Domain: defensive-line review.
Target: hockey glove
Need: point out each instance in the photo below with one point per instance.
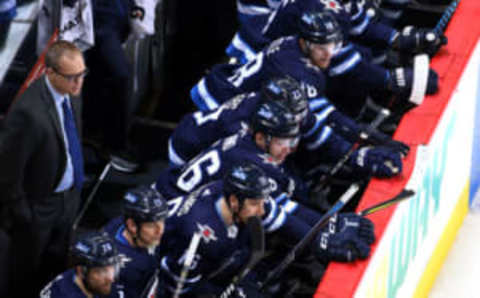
(418, 40)
(401, 81)
(378, 138)
(378, 161)
(346, 238)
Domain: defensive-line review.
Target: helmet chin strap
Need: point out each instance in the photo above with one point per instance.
(236, 218)
(306, 49)
(268, 142)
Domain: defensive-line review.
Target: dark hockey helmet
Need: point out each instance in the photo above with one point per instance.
(95, 250)
(320, 27)
(144, 204)
(275, 119)
(288, 90)
(246, 180)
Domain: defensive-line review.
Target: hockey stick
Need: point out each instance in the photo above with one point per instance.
(381, 116)
(257, 240)
(446, 17)
(344, 199)
(403, 195)
(150, 289)
(79, 217)
(190, 254)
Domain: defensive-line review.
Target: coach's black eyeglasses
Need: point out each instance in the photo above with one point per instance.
(72, 77)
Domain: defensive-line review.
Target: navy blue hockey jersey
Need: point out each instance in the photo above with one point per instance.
(283, 57)
(213, 163)
(64, 286)
(222, 249)
(138, 264)
(253, 36)
(198, 130)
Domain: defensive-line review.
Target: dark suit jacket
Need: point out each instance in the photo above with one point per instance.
(32, 150)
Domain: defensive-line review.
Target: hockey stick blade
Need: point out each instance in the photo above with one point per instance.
(421, 69)
(344, 199)
(403, 195)
(257, 242)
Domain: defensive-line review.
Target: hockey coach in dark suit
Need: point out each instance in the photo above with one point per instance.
(41, 169)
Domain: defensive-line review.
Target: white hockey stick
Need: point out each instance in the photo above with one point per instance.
(190, 254)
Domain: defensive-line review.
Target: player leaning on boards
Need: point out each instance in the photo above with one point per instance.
(197, 131)
(363, 38)
(272, 137)
(305, 57)
(137, 235)
(97, 264)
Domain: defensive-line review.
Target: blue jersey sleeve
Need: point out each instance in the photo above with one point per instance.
(198, 130)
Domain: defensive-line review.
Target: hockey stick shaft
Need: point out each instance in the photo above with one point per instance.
(90, 197)
(190, 254)
(151, 286)
(381, 116)
(403, 195)
(344, 199)
(446, 17)
(257, 240)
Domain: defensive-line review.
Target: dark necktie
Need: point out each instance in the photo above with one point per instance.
(74, 147)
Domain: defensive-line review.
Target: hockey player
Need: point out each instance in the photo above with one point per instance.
(97, 263)
(356, 26)
(199, 130)
(217, 212)
(137, 235)
(303, 58)
(273, 135)
(267, 149)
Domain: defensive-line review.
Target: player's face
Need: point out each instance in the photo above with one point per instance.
(100, 279)
(321, 54)
(151, 233)
(251, 207)
(67, 77)
(280, 148)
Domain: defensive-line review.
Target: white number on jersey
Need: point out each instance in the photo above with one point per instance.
(191, 178)
(246, 70)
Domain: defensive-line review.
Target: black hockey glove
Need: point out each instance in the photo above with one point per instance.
(378, 161)
(418, 40)
(401, 81)
(347, 237)
(378, 138)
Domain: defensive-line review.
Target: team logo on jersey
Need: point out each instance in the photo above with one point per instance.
(268, 159)
(232, 231)
(331, 5)
(123, 260)
(207, 233)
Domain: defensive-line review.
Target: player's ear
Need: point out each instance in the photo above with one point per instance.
(259, 138)
(131, 225)
(233, 202)
(79, 271)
